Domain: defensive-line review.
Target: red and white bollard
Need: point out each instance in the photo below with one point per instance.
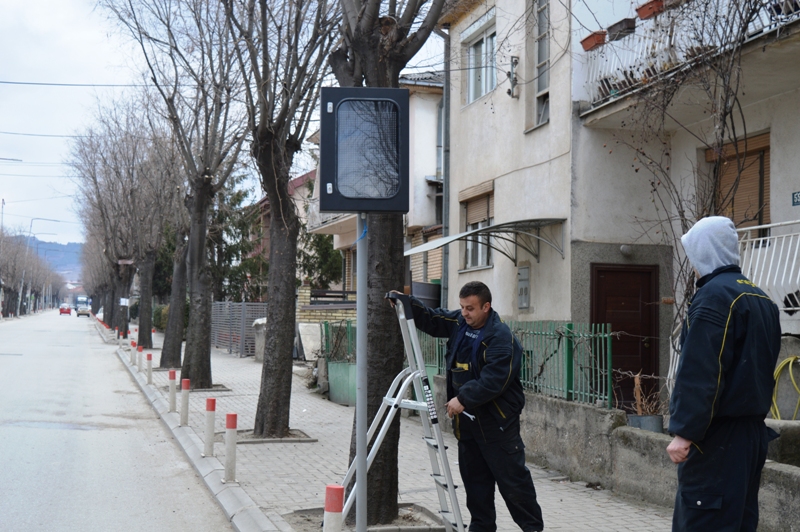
(154, 330)
(334, 502)
(133, 356)
(185, 386)
(172, 390)
(211, 411)
(136, 330)
(139, 358)
(149, 368)
(230, 448)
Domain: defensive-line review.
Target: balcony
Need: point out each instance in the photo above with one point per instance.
(770, 257)
(680, 38)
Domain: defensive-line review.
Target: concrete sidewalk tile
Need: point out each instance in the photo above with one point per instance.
(253, 520)
(233, 500)
(214, 481)
(275, 479)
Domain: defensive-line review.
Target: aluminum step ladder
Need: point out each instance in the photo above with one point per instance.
(414, 375)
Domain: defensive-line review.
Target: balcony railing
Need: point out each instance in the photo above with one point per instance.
(773, 262)
(672, 40)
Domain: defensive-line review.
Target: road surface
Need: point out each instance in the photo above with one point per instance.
(80, 449)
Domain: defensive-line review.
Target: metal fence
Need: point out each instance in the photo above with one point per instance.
(232, 326)
(570, 361)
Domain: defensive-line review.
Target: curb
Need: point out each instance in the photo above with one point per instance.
(243, 513)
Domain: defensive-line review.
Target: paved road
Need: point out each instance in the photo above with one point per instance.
(80, 448)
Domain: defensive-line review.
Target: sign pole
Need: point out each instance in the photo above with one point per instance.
(361, 375)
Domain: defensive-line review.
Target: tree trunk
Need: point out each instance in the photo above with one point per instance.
(147, 267)
(197, 357)
(385, 355)
(173, 336)
(272, 413)
(122, 283)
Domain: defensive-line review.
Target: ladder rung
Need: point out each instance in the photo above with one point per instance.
(433, 443)
(446, 514)
(440, 480)
(409, 405)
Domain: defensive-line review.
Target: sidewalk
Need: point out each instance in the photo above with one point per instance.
(281, 478)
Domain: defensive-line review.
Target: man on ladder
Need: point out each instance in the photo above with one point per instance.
(485, 399)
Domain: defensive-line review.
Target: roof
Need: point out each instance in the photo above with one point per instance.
(294, 184)
(423, 79)
(455, 9)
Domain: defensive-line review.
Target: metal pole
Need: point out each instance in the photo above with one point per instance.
(361, 376)
(243, 329)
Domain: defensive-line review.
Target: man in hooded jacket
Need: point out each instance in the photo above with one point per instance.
(723, 388)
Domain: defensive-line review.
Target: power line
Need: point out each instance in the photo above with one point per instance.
(37, 175)
(45, 84)
(29, 217)
(42, 135)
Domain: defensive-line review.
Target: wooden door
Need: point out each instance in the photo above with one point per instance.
(626, 297)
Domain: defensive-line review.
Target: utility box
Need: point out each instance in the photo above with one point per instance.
(364, 150)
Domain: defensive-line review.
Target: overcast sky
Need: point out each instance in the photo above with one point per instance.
(62, 42)
(51, 41)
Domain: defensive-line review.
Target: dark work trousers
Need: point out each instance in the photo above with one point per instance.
(718, 483)
(502, 462)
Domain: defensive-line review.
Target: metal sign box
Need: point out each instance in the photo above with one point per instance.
(364, 150)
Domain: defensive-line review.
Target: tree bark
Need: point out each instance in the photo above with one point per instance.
(197, 356)
(272, 413)
(173, 336)
(122, 281)
(385, 357)
(147, 267)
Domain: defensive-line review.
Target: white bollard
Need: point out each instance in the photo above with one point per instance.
(211, 407)
(185, 385)
(149, 368)
(230, 448)
(334, 502)
(133, 356)
(139, 359)
(172, 390)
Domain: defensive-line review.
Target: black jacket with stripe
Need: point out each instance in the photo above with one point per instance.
(493, 391)
(729, 347)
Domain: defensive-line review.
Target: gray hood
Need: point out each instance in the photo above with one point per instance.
(712, 243)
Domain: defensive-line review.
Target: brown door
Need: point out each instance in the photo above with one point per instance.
(625, 297)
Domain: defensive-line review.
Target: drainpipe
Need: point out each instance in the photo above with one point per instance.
(445, 163)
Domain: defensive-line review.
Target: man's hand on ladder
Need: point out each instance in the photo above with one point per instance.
(391, 301)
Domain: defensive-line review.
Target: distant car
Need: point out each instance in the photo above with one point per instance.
(64, 309)
(83, 310)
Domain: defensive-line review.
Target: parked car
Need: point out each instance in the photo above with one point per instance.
(64, 308)
(83, 310)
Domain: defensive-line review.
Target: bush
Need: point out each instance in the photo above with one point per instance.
(159, 318)
(164, 316)
(134, 310)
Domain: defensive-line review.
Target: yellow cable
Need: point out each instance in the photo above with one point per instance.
(776, 414)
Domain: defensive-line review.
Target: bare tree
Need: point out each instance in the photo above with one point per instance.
(282, 54)
(378, 40)
(191, 60)
(703, 60)
(128, 169)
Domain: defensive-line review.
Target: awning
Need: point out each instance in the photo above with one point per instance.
(506, 237)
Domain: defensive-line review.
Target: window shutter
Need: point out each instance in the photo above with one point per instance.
(744, 203)
(480, 209)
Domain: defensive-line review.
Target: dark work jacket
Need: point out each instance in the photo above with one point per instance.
(492, 392)
(729, 346)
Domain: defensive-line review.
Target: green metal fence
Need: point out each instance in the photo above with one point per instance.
(570, 361)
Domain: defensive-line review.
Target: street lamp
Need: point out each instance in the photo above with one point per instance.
(27, 248)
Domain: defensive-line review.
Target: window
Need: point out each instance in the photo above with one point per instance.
(479, 214)
(538, 64)
(480, 41)
(743, 182)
